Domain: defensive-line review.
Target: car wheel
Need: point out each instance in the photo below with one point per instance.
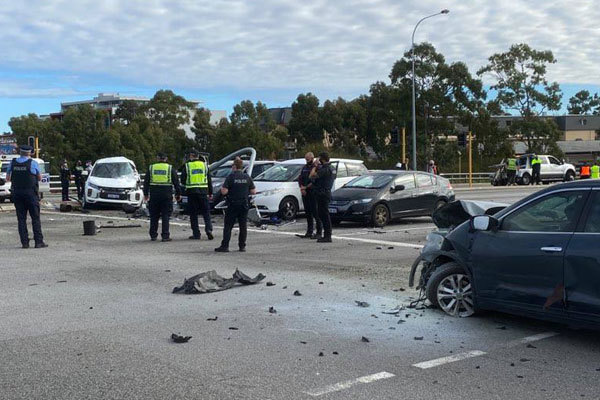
(569, 176)
(380, 216)
(450, 289)
(526, 179)
(288, 209)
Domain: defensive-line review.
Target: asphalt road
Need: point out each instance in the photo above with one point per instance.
(91, 318)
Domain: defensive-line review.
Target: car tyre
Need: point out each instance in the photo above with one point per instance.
(380, 216)
(449, 288)
(526, 179)
(569, 176)
(288, 208)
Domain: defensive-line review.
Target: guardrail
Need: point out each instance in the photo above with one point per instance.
(478, 177)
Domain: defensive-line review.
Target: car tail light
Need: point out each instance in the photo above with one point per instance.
(450, 185)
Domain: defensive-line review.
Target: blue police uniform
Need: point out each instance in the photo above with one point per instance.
(23, 172)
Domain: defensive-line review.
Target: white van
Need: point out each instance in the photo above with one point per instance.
(44, 185)
(278, 192)
(113, 180)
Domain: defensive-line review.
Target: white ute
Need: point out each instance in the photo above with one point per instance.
(113, 180)
(551, 169)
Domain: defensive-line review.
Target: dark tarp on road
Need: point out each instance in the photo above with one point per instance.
(210, 281)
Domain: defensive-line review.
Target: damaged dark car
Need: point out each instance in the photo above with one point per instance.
(537, 258)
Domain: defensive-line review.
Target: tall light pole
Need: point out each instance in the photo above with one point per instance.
(414, 113)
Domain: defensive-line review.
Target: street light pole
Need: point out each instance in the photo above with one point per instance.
(414, 113)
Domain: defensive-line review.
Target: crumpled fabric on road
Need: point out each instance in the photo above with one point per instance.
(208, 282)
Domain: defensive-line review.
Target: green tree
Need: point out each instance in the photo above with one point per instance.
(127, 111)
(521, 86)
(583, 102)
(304, 126)
(204, 131)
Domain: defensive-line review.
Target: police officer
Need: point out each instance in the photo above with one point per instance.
(158, 192)
(65, 180)
(511, 170)
(25, 174)
(309, 199)
(323, 176)
(237, 187)
(198, 189)
(536, 165)
(78, 178)
(595, 170)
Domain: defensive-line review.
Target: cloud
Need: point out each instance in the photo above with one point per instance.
(27, 89)
(319, 45)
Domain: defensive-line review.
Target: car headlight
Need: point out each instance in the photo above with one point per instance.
(271, 192)
(361, 201)
(91, 185)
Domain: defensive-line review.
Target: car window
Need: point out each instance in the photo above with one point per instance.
(554, 161)
(544, 160)
(341, 170)
(556, 212)
(424, 180)
(408, 180)
(356, 169)
(334, 166)
(522, 161)
(593, 219)
(113, 170)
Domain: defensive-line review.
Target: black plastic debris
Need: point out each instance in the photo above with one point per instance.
(320, 283)
(390, 247)
(210, 281)
(321, 354)
(335, 353)
(363, 304)
(303, 342)
(180, 339)
(272, 310)
(524, 359)
(530, 346)
(212, 319)
(365, 339)
(418, 337)
(233, 328)
(379, 248)
(270, 284)
(297, 293)
(401, 321)
(502, 328)
(520, 376)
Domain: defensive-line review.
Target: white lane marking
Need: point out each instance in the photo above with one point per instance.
(449, 359)
(476, 353)
(285, 233)
(347, 384)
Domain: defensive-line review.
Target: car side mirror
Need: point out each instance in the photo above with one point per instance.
(397, 188)
(484, 223)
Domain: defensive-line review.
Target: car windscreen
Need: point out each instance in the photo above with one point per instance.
(112, 170)
(375, 181)
(281, 173)
(221, 172)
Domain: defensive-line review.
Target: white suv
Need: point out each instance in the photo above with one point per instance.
(278, 192)
(551, 169)
(113, 180)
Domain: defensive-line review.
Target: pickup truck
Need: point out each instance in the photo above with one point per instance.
(552, 169)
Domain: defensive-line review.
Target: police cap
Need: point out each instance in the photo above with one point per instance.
(25, 149)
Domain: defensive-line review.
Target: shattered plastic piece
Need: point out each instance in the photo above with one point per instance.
(297, 293)
(379, 248)
(233, 328)
(61, 281)
(418, 337)
(303, 342)
(270, 284)
(530, 346)
(391, 248)
(335, 353)
(394, 311)
(321, 354)
(401, 321)
(272, 310)
(212, 319)
(363, 304)
(320, 283)
(502, 328)
(365, 339)
(180, 339)
(524, 359)
(520, 376)
(285, 287)
(210, 281)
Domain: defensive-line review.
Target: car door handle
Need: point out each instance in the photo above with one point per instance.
(551, 249)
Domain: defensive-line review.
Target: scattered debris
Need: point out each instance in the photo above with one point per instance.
(285, 287)
(394, 311)
(210, 281)
(180, 339)
(530, 346)
(91, 308)
(321, 354)
(391, 248)
(320, 283)
(233, 328)
(272, 310)
(401, 321)
(374, 316)
(167, 270)
(297, 293)
(212, 319)
(61, 281)
(303, 342)
(270, 284)
(524, 359)
(335, 353)
(418, 337)
(520, 376)
(502, 328)
(379, 248)
(365, 339)
(33, 284)
(363, 304)
(512, 364)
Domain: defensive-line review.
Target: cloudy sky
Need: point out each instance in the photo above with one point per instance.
(225, 51)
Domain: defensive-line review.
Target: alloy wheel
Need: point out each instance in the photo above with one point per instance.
(455, 295)
(381, 215)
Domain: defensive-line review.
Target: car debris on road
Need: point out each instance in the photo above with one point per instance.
(208, 282)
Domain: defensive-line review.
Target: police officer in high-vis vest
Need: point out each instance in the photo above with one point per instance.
(198, 189)
(595, 171)
(158, 192)
(511, 170)
(536, 165)
(24, 175)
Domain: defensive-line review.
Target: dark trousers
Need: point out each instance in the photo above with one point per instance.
(198, 204)
(160, 207)
(65, 190)
(511, 174)
(239, 213)
(323, 212)
(80, 184)
(28, 202)
(535, 177)
(310, 209)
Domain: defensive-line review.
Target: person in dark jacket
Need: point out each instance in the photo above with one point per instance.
(323, 176)
(25, 175)
(238, 186)
(65, 180)
(309, 199)
(78, 178)
(159, 182)
(195, 177)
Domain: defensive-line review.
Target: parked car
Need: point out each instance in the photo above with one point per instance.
(113, 181)
(537, 257)
(551, 169)
(278, 192)
(44, 184)
(380, 197)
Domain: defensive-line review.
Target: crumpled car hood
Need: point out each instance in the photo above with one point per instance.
(457, 212)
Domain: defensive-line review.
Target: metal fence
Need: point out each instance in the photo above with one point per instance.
(478, 177)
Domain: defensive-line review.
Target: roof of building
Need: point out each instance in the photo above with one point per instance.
(578, 122)
(579, 146)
